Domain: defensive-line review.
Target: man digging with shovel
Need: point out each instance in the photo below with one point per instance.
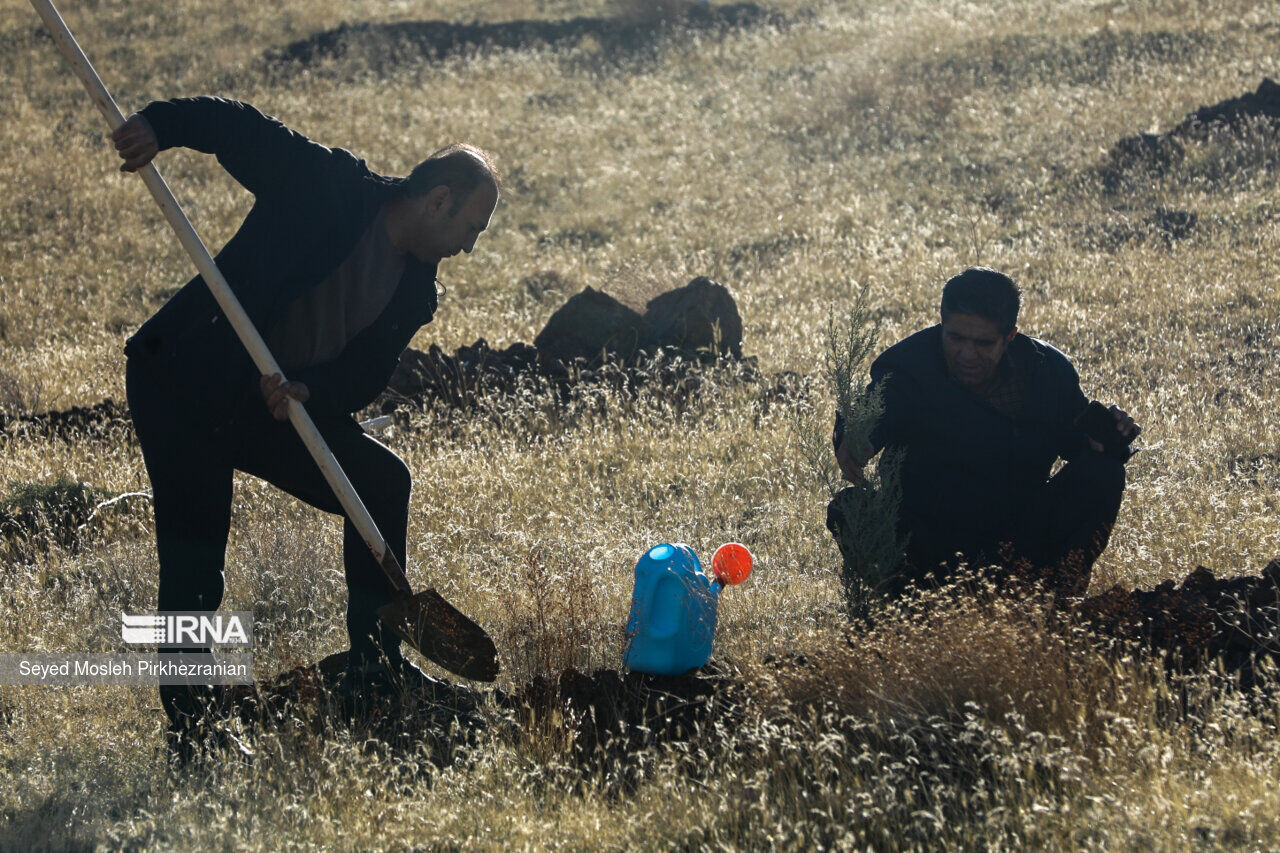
(335, 265)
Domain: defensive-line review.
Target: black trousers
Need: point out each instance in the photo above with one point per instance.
(1061, 530)
(190, 465)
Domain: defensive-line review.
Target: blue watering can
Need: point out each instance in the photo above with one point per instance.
(672, 625)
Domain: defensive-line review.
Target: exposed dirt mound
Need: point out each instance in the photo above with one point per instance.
(1201, 620)
(1232, 120)
(1262, 103)
(612, 713)
(614, 716)
(385, 46)
(605, 715)
(442, 720)
(476, 374)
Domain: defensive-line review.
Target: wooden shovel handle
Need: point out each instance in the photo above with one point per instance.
(244, 328)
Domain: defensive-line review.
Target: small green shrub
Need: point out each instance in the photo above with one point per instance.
(865, 514)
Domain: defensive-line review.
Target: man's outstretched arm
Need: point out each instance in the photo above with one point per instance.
(260, 152)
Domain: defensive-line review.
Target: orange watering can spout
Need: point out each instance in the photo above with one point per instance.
(731, 563)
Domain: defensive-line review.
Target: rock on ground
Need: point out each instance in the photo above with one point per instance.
(592, 326)
(702, 315)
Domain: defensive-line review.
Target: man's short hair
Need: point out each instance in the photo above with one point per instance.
(986, 293)
(460, 167)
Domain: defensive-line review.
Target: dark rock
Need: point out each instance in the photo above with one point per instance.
(591, 345)
(702, 315)
(589, 326)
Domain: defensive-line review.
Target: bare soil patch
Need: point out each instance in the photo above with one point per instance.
(617, 718)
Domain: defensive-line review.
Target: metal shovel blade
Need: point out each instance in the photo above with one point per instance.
(436, 628)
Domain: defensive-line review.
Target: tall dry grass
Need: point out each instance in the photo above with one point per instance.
(875, 144)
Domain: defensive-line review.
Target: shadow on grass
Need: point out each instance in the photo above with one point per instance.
(383, 46)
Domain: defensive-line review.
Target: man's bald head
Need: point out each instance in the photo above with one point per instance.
(460, 167)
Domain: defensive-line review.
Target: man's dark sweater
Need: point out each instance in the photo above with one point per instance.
(970, 470)
(311, 206)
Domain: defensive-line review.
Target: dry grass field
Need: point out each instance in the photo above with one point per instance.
(883, 144)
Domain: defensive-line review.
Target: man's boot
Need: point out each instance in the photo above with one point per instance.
(193, 710)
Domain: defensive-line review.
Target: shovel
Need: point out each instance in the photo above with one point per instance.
(425, 620)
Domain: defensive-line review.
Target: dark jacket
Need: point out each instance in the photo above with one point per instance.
(966, 467)
(311, 205)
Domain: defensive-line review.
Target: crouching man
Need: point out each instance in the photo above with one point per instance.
(980, 413)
